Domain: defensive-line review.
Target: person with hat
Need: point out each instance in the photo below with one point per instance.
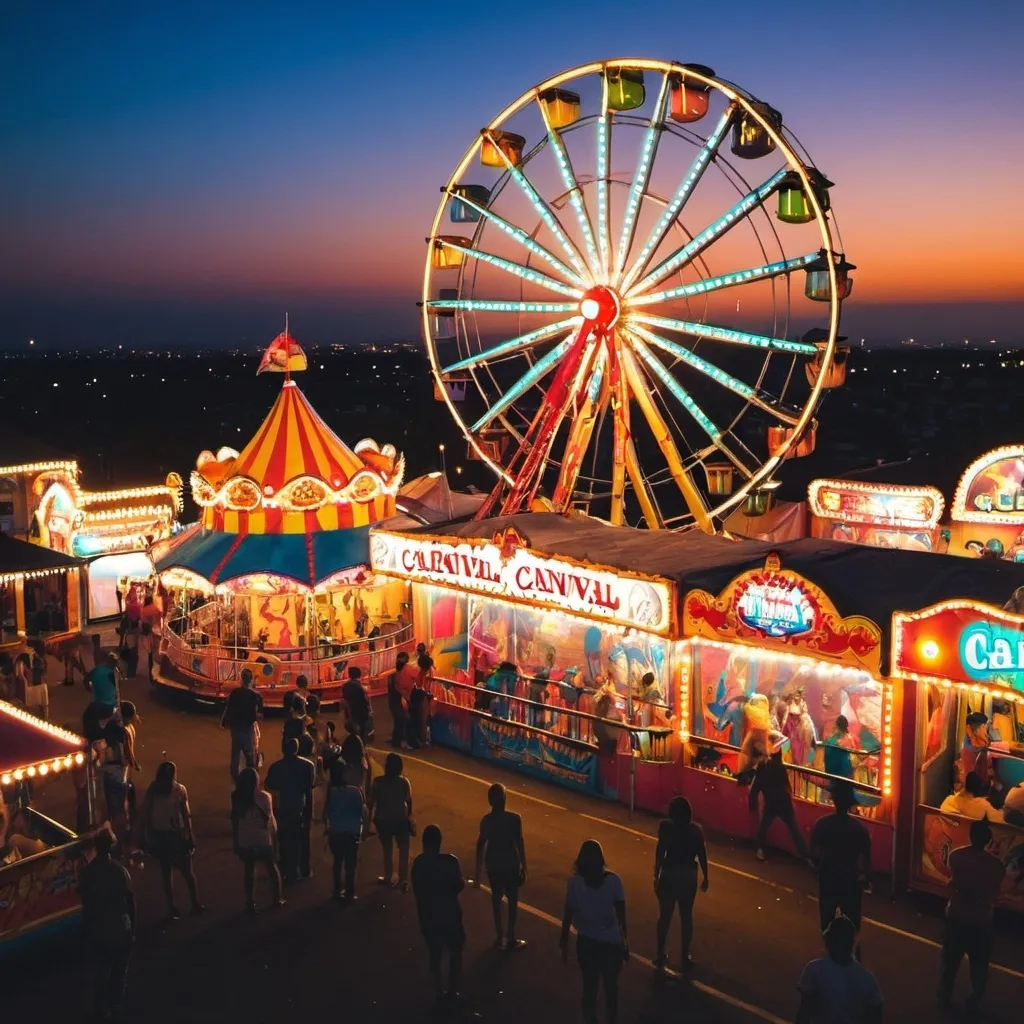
(838, 987)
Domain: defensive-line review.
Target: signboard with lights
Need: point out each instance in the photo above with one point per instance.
(850, 501)
(505, 567)
(992, 488)
(963, 642)
(775, 607)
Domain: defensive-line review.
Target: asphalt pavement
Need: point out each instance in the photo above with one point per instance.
(755, 928)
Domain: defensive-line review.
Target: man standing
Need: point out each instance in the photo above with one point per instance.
(841, 852)
(398, 696)
(242, 713)
(500, 845)
(108, 910)
(836, 987)
(772, 782)
(975, 879)
(436, 883)
(290, 781)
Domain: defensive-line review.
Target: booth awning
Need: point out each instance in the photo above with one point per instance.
(28, 743)
(19, 557)
(306, 558)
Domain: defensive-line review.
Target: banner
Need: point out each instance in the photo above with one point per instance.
(39, 890)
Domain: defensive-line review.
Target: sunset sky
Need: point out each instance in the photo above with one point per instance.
(191, 170)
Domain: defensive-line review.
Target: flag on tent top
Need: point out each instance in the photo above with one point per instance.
(283, 355)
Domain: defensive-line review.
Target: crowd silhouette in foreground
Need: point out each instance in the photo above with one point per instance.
(273, 817)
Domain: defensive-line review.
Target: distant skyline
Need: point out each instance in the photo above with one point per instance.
(180, 171)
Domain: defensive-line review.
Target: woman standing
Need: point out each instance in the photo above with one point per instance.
(680, 849)
(167, 826)
(391, 812)
(254, 831)
(595, 902)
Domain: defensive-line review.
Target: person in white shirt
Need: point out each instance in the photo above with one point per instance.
(595, 902)
(970, 802)
(836, 989)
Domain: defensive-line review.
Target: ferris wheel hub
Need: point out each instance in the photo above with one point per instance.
(601, 307)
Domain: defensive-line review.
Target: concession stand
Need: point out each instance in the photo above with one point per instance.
(39, 857)
(962, 665)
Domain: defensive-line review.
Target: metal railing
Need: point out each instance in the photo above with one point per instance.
(221, 666)
(556, 718)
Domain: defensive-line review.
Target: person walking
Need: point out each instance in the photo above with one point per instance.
(150, 618)
(837, 987)
(166, 822)
(390, 805)
(358, 712)
(436, 883)
(975, 880)
(254, 835)
(290, 780)
(595, 903)
(397, 701)
(344, 819)
(108, 912)
(243, 712)
(295, 722)
(771, 781)
(501, 848)
(37, 693)
(680, 849)
(841, 853)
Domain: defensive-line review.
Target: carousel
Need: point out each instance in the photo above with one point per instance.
(275, 575)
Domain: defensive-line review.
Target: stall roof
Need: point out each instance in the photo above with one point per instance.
(19, 556)
(26, 741)
(18, 449)
(874, 582)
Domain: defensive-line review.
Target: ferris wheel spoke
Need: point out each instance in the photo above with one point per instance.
(737, 277)
(572, 187)
(509, 347)
(686, 187)
(604, 147)
(701, 241)
(640, 488)
(536, 372)
(544, 212)
(620, 434)
(648, 152)
(515, 269)
(502, 306)
(522, 238)
(764, 401)
(663, 437)
(725, 334)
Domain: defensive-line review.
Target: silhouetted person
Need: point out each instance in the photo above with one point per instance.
(108, 911)
(771, 780)
(242, 713)
(290, 780)
(975, 880)
(681, 848)
(500, 846)
(836, 987)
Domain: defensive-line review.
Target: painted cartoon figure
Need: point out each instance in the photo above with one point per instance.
(977, 740)
(760, 738)
(799, 729)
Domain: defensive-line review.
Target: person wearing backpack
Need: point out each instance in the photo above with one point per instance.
(108, 911)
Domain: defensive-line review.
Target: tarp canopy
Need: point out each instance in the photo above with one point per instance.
(874, 582)
(786, 520)
(26, 740)
(306, 558)
(430, 499)
(20, 556)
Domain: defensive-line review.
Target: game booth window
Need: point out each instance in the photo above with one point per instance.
(963, 661)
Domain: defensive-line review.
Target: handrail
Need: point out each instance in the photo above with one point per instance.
(706, 741)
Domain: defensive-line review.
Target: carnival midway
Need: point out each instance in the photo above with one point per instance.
(628, 616)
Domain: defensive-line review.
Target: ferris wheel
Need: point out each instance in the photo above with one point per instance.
(647, 343)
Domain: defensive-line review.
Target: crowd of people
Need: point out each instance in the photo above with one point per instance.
(323, 775)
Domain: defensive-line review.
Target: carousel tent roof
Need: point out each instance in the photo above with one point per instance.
(308, 558)
(294, 441)
(860, 580)
(26, 740)
(20, 556)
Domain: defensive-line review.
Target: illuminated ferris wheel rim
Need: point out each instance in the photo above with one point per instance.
(581, 282)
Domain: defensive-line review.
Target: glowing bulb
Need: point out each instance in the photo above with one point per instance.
(31, 772)
(79, 758)
(589, 308)
(43, 769)
(930, 649)
(5, 780)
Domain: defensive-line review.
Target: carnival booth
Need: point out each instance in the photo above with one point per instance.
(987, 513)
(39, 593)
(773, 665)
(580, 631)
(111, 531)
(275, 577)
(39, 857)
(962, 663)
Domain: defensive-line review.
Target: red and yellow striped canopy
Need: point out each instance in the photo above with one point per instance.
(292, 442)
